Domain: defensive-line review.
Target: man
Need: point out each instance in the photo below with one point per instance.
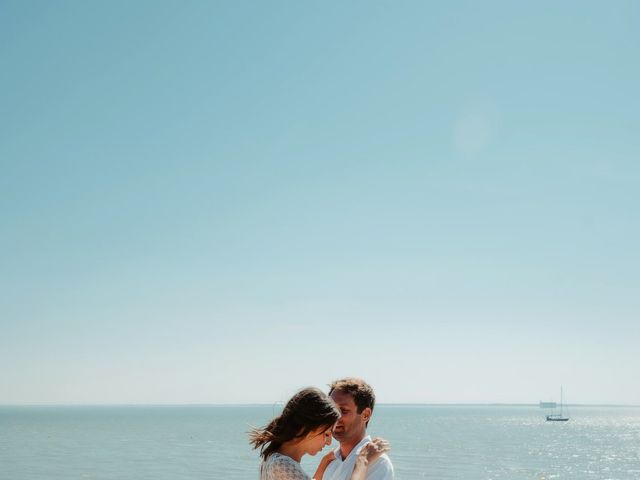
(355, 400)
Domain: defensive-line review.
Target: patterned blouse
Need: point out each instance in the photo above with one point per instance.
(281, 467)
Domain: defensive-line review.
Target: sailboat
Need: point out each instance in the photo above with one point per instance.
(558, 417)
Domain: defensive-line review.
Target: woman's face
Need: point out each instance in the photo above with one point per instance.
(317, 440)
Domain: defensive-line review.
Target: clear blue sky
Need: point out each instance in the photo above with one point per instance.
(226, 201)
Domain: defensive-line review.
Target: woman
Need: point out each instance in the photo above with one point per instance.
(304, 428)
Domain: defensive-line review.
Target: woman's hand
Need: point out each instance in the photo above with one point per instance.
(324, 462)
(328, 458)
(369, 453)
(372, 450)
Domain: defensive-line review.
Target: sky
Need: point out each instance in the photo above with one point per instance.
(224, 202)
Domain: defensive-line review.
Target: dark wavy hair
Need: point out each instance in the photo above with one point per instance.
(308, 410)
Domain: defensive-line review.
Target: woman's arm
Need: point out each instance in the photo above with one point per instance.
(369, 453)
(326, 460)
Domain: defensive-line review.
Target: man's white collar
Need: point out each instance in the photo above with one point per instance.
(356, 449)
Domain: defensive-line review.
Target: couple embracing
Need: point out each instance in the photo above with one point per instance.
(308, 422)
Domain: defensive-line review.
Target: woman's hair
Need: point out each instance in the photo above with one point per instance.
(308, 410)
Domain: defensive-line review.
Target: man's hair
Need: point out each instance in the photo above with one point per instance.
(360, 390)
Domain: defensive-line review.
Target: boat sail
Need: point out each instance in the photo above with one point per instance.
(558, 417)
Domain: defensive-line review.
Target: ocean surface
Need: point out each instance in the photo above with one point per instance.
(210, 442)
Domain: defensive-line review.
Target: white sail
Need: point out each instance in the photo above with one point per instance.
(557, 417)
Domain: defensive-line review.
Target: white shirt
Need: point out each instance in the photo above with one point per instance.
(340, 469)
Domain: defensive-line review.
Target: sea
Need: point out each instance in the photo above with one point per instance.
(210, 442)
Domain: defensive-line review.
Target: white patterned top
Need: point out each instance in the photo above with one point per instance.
(281, 467)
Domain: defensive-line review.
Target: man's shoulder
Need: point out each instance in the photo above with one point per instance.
(384, 459)
(381, 469)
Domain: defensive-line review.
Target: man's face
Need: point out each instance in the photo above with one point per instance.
(352, 425)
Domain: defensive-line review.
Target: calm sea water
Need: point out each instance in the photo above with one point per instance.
(209, 442)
